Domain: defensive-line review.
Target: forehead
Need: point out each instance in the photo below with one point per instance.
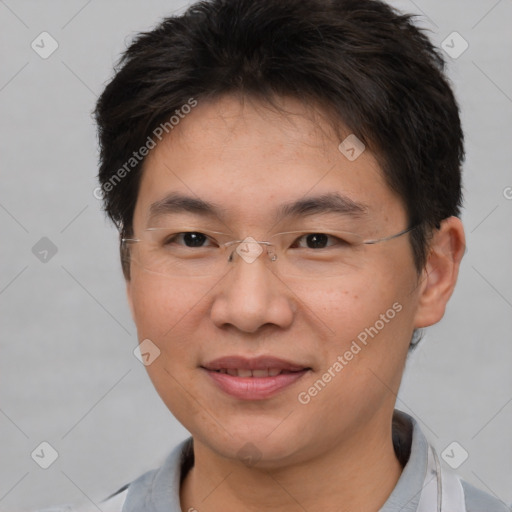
(250, 161)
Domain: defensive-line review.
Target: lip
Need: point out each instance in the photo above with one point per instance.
(254, 388)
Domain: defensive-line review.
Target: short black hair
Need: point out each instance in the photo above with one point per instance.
(370, 68)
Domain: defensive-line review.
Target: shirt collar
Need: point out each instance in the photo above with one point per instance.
(159, 490)
(406, 494)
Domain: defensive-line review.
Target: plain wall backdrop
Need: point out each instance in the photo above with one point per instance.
(67, 369)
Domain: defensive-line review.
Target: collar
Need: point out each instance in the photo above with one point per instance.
(159, 490)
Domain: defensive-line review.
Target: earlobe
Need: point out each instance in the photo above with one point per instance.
(441, 270)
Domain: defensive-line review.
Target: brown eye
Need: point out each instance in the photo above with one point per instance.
(188, 239)
(317, 241)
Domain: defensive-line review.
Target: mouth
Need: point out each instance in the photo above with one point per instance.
(253, 379)
(266, 372)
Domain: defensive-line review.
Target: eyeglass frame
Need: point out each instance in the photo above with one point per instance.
(267, 243)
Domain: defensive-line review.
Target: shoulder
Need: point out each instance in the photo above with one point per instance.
(129, 496)
(114, 503)
(155, 483)
(479, 501)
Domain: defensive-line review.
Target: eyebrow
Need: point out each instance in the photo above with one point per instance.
(323, 204)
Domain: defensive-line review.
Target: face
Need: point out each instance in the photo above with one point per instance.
(340, 341)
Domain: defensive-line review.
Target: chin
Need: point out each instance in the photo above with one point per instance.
(260, 444)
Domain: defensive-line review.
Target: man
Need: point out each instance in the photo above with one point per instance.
(285, 177)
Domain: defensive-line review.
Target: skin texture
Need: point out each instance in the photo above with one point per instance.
(334, 453)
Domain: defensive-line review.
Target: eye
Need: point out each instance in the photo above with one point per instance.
(188, 239)
(318, 241)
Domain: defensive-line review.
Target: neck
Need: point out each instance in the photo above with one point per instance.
(358, 474)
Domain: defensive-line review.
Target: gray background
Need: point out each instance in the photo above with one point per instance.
(67, 370)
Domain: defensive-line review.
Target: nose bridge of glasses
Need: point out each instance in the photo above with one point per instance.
(249, 249)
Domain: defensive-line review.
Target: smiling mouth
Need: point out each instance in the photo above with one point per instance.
(268, 372)
(254, 378)
(255, 384)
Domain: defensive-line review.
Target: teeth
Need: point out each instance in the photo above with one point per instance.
(260, 373)
(237, 372)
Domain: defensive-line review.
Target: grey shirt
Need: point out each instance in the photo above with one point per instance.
(159, 490)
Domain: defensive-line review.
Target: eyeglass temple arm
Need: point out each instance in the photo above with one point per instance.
(390, 237)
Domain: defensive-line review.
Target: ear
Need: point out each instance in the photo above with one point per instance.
(440, 273)
(129, 296)
(124, 256)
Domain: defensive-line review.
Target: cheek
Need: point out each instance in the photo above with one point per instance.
(169, 316)
(368, 324)
(163, 308)
(343, 308)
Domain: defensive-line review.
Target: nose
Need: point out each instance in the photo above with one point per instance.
(251, 296)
